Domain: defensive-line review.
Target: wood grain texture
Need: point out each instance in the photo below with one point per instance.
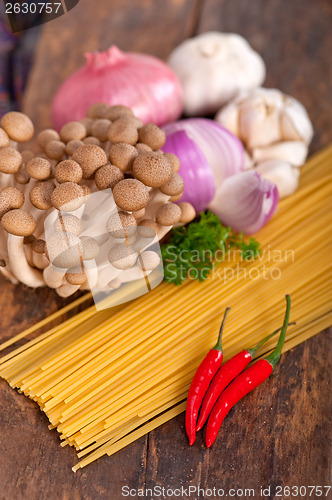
(277, 435)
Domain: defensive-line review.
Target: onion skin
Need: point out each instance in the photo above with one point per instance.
(142, 82)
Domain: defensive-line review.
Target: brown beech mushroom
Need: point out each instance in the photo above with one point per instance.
(115, 283)
(55, 149)
(168, 214)
(143, 148)
(4, 139)
(10, 160)
(89, 248)
(123, 130)
(174, 161)
(122, 155)
(39, 168)
(188, 212)
(63, 250)
(118, 111)
(90, 158)
(68, 171)
(68, 223)
(68, 197)
(174, 186)
(147, 228)
(92, 140)
(76, 275)
(38, 246)
(148, 260)
(19, 223)
(41, 195)
(131, 195)
(10, 198)
(100, 128)
(22, 176)
(18, 126)
(72, 131)
(139, 214)
(98, 110)
(152, 169)
(121, 256)
(108, 176)
(71, 146)
(121, 225)
(152, 135)
(46, 136)
(39, 258)
(87, 122)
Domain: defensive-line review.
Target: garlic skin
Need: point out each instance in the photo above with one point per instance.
(282, 174)
(275, 130)
(213, 68)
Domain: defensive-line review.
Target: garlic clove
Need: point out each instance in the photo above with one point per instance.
(229, 118)
(259, 125)
(295, 122)
(294, 152)
(282, 174)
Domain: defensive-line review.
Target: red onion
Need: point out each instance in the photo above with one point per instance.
(245, 201)
(199, 182)
(142, 82)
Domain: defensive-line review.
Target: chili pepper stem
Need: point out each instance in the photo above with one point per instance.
(274, 357)
(253, 350)
(218, 345)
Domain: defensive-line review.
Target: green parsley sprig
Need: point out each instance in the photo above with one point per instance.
(192, 249)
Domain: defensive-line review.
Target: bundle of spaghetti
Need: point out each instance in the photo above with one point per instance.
(106, 378)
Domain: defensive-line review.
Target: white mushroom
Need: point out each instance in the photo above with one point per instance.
(213, 68)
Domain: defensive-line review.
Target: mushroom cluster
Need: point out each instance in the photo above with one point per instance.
(86, 210)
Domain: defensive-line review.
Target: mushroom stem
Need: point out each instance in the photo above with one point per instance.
(53, 278)
(40, 260)
(9, 275)
(19, 265)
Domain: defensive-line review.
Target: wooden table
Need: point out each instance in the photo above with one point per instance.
(280, 434)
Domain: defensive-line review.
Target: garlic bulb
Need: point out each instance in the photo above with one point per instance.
(214, 68)
(275, 130)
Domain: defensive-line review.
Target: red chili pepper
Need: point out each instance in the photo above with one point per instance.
(224, 376)
(244, 383)
(201, 381)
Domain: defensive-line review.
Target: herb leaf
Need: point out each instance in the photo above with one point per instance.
(193, 249)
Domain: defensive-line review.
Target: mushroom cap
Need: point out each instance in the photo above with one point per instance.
(10, 198)
(152, 135)
(76, 276)
(72, 131)
(174, 161)
(19, 222)
(63, 250)
(38, 246)
(174, 186)
(10, 160)
(123, 130)
(68, 197)
(89, 247)
(118, 111)
(92, 140)
(121, 256)
(4, 139)
(22, 176)
(147, 228)
(139, 214)
(46, 136)
(68, 171)
(55, 149)
(121, 225)
(100, 128)
(122, 155)
(108, 176)
(27, 155)
(90, 157)
(68, 223)
(115, 283)
(148, 260)
(143, 148)
(72, 145)
(168, 214)
(188, 212)
(87, 122)
(41, 195)
(152, 169)
(131, 195)
(39, 168)
(98, 110)
(18, 126)
(86, 192)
